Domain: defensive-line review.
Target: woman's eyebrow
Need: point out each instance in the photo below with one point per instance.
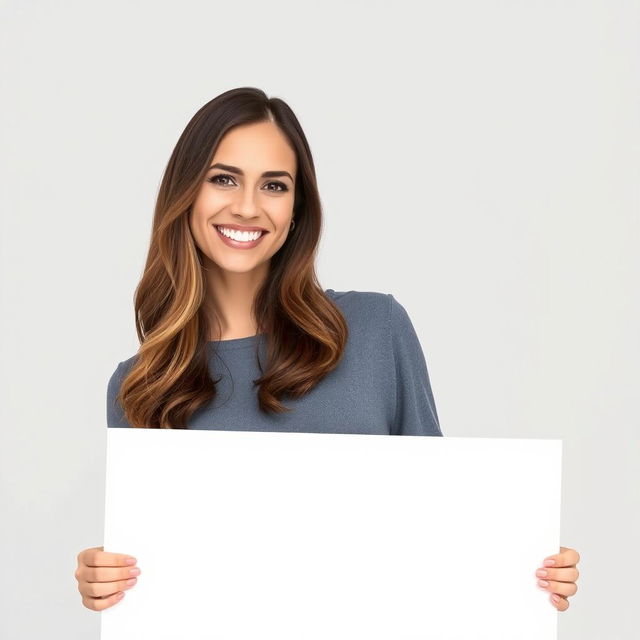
(266, 174)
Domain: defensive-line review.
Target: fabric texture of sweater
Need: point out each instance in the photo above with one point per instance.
(380, 386)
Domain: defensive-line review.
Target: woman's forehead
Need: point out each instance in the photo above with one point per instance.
(253, 147)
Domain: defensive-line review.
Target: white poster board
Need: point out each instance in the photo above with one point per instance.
(244, 535)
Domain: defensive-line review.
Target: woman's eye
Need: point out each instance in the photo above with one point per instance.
(283, 187)
(214, 179)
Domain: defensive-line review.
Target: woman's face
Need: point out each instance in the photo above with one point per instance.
(237, 195)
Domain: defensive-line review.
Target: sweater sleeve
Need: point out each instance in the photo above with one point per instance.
(115, 412)
(415, 407)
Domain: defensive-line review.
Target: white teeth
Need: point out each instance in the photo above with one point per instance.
(240, 236)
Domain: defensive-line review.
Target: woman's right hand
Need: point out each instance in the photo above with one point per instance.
(104, 576)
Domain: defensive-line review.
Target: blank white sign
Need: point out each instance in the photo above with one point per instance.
(245, 535)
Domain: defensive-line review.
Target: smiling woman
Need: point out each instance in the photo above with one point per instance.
(233, 322)
(235, 231)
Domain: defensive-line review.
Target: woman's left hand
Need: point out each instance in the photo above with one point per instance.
(560, 577)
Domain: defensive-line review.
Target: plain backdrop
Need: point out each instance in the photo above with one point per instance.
(479, 160)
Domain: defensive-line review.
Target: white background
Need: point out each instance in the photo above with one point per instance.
(479, 160)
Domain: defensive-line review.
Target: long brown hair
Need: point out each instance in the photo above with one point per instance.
(305, 331)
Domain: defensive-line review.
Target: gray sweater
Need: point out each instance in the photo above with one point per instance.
(381, 385)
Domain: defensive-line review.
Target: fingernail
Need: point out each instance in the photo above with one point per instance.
(543, 583)
(120, 595)
(549, 563)
(134, 572)
(541, 572)
(131, 581)
(555, 598)
(131, 561)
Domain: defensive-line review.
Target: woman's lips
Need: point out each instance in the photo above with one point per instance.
(238, 244)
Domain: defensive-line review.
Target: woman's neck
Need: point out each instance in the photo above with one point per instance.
(230, 299)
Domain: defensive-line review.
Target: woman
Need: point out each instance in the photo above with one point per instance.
(231, 261)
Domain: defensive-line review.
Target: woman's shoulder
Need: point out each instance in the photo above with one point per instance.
(369, 301)
(120, 372)
(370, 312)
(373, 308)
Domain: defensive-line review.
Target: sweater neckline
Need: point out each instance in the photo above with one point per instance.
(234, 343)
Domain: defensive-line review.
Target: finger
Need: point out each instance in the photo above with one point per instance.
(98, 604)
(561, 588)
(95, 557)
(560, 603)
(566, 558)
(569, 574)
(107, 574)
(104, 589)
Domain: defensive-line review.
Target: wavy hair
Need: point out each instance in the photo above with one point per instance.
(305, 331)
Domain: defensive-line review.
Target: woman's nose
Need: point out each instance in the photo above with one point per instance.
(247, 203)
